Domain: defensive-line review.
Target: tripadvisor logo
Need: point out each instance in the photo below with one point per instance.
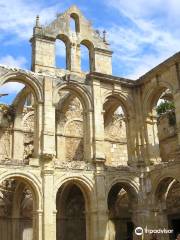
(139, 231)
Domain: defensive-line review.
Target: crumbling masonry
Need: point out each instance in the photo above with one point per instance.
(84, 155)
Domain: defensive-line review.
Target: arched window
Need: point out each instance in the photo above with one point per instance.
(60, 54)
(63, 52)
(115, 132)
(18, 121)
(85, 64)
(87, 56)
(161, 125)
(70, 128)
(74, 23)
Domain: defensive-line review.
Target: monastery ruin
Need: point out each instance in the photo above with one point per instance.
(86, 155)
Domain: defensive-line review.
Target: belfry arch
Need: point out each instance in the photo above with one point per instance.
(64, 51)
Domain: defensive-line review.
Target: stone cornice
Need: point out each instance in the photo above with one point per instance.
(111, 79)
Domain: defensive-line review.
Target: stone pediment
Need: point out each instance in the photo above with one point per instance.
(60, 29)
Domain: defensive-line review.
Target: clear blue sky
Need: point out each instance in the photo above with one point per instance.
(142, 33)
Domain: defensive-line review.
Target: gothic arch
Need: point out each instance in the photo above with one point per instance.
(18, 103)
(32, 181)
(85, 184)
(126, 102)
(75, 17)
(23, 78)
(79, 91)
(65, 39)
(21, 95)
(156, 182)
(89, 45)
(129, 185)
(151, 94)
(122, 200)
(88, 192)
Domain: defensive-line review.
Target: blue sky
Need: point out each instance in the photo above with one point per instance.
(142, 33)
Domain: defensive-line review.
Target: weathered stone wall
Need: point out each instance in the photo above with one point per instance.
(73, 138)
(168, 140)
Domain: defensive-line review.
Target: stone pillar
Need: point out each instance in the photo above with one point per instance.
(49, 226)
(49, 118)
(91, 223)
(88, 135)
(175, 76)
(98, 122)
(47, 157)
(75, 57)
(102, 214)
(152, 138)
(177, 112)
(38, 130)
(37, 225)
(131, 133)
(138, 125)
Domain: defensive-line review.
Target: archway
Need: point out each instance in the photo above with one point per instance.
(115, 132)
(168, 198)
(71, 217)
(70, 127)
(161, 124)
(17, 204)
(19, 108)
(73, 133)
(87, 56)
(74, 23)
(63, 52)
(121, 202)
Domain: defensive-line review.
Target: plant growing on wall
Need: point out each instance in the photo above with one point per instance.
(167, 107)
(7, 112)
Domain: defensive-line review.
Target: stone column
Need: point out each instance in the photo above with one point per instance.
(91, 223)
(175, 76)
(47, 157)
(49, 118)
(131, 133)
(177, 112)
(102, 214)
(138, 126)
(37, 225)
(88, 136)
(98, 123)
(49, 226)
(75, 56)
(38, 129)
(152, 138)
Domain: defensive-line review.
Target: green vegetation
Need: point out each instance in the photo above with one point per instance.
(167, 107)
(8, 111)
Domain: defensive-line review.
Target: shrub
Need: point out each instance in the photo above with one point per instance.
(168, 108)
